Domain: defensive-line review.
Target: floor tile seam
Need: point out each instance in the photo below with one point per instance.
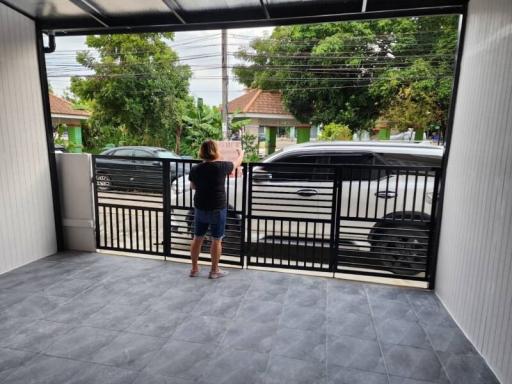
(221, 341)
(427, 333)
(219, 348)
(114, 330)
(73, 327)
(24, 363)
(360, 370)
(272, 353)
(331, 334)
(246, 300)
(78, 372)
(89, 361)
(423, 349)
(80, 321)
(413, 307)
(436, 353)
(153, 353)
(315, 361)
(377, 335)
(49, 346)
(279, 324)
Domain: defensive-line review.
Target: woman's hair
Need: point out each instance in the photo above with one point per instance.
(209, 150)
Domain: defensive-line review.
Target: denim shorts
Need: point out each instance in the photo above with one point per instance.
(214, 219)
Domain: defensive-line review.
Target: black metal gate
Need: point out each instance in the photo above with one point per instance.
(144, 205)
(353, 219)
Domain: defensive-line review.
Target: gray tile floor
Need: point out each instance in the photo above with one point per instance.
(88, 318)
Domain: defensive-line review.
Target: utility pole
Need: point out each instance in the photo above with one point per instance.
(225, 120)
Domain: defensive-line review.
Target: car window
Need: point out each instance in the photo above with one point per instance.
(167, 155)
(356, 173)
(142, 153)
(123, 152)
(408, 159)
(286, 172)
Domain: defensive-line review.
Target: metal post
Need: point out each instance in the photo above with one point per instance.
(49, 140)
(225, 81)
(166, 169)
(96, 208)
(447, 141)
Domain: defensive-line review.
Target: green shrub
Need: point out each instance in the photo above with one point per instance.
(334, 131)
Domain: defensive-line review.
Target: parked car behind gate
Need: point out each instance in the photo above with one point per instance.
(143, 172)
(280, 193)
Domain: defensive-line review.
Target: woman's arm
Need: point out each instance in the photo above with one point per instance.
(239, 159)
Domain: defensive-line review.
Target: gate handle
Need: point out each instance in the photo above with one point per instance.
(307, 192)
(386, 194)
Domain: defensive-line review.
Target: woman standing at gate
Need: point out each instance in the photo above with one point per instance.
(210, 206)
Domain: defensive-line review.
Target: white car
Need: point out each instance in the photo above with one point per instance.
(380, 204)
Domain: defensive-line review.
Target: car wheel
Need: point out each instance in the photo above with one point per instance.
(103, 182)
(401, 249)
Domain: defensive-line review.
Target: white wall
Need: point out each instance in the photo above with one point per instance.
(474, 273)
(76, 200)
(27, 230)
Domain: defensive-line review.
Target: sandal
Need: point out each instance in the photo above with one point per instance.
(217, 275)
(194, 274)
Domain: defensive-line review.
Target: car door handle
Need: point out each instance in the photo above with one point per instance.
(307, 192)
(386, 194)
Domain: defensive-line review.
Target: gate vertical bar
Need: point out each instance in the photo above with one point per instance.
(244, 214)
(96, 208)
(334, 235)
(166, 178)
(432, 234)
(249, 214)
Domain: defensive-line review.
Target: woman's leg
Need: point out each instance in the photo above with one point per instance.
(195, 249)
(200, 228)
(215, 252)
(218, 227)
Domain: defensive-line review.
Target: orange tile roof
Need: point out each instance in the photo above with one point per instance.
(63, 107)
(258, 101)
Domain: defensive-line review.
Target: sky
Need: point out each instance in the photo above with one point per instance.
(206, 78)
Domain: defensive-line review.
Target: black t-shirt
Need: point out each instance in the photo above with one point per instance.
(209, 179)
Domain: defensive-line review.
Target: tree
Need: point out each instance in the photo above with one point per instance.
(326, 72)
(408, 112)
(138, 87)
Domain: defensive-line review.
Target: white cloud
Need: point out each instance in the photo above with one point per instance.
(200, 49)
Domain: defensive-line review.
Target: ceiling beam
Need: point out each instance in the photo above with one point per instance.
(92, 11)
(265, 9)
(174, 6)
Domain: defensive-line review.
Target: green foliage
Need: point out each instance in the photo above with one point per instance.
(137, 92)
(200, 122)
(250, 147)
(238, 124)
(333, 131)
(97, 137)
(59, 135)
(352, 72)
